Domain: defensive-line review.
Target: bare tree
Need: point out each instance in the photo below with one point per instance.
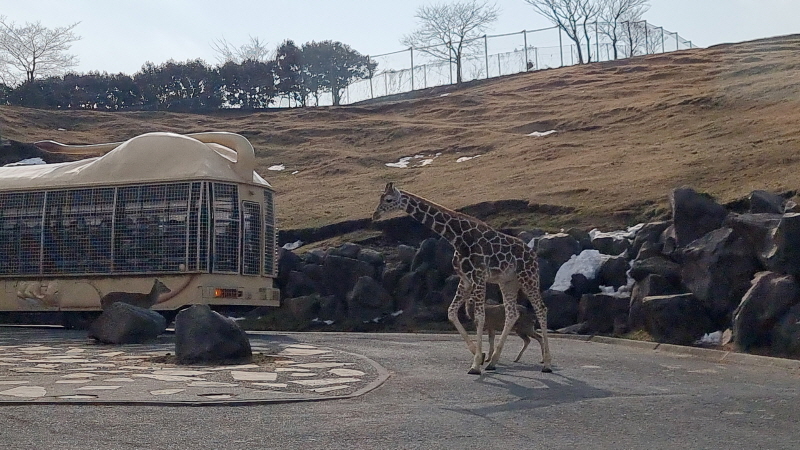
(446, 31)
(570, 16)
(254, 50)
(33, 50)
(617, 15)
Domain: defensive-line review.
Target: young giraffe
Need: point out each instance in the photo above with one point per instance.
(482, 255)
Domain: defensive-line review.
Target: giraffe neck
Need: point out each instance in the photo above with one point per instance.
(439, 219)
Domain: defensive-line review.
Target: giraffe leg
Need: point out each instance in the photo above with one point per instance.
(491, 334)
(480, 319)
(509, 291)
(463, 290)
(531, 288)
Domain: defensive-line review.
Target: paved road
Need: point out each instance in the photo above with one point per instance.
(600, 396)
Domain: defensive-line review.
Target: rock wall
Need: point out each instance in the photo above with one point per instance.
(706, 269)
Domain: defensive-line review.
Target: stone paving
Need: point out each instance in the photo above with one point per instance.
(60, 366)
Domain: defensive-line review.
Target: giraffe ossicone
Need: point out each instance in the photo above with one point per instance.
(482, 255)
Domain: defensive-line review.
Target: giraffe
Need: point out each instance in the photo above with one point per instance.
(482, 255)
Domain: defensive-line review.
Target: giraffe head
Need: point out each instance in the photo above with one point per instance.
(390, 201)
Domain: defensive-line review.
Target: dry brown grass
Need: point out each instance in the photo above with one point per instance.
(724, 120)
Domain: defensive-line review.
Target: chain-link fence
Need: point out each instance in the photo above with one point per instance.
(504, 54)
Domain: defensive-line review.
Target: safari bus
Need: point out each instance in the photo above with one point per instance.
(188, 212)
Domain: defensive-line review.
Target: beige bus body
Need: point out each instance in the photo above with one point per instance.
(202, 193)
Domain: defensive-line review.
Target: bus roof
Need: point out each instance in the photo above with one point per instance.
(148, 158)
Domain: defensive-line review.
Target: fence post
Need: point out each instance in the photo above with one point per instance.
(663, 50)
(411, 49)
(560, 47)
(535, 59)
(525, 42)
(646, 40)
(386, 82)
(424, 76)
(450, 58)
(690, 44)
(597, 41)
(486, 53)
(371, 93)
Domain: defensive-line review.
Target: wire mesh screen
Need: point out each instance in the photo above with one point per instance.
(20, 232)
(151, 228)
(225, 199)
(270, 238)
(77, 231)
(158, 228)
(251, 238)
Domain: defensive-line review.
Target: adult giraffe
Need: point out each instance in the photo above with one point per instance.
(482, 255)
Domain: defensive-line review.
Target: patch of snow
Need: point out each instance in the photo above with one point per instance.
(295, 172)
(629, 233)
(26, 162)
(292, 245)
(405, 162)
(277, 167)
(466, 158)
(587, 263)
(397, 313)
(714, 338)
(445, 94)
(61, 129)
(542, 133)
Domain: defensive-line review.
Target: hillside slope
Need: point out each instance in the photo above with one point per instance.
(724, 120)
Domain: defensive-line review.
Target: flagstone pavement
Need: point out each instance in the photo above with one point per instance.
(54, 365)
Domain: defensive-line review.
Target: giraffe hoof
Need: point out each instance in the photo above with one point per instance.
(474, 371)
(547, 370)
(491, 367)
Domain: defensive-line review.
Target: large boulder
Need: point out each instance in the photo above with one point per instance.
(782, 250)
(614, 272)
(304, 308)
(786, 334)
(558, 248)
(652, 285)
(205, 336)
(604, 313)
(766, 202)
(769, 298)
(657, 265)
(650, 233)
(676, 319)
(693, 215)
(341, 273)
(410, 291)
(425, 258)
(717, 269)
(368, 300)
(346, 250)
(122, 323)
(299, 284)
(562, 309)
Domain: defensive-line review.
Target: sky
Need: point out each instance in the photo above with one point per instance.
(121, 35)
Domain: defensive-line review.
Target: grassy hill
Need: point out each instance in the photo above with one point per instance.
(724, 120)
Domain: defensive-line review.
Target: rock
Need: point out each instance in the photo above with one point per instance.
(547, 273)
(305, 308)
(204, 336)
(369, 295)
(694, 215)
(315, 256)
(122, 323)
(786, 334)
(372, 257)
(558, 248)
(287, 262)
(604, 313)
(299, 284)
(641, 268)
(346, 250)
(405, 254)
(580, 285)
(781, 252)
(766, 202)
(582, 236)
(609, 243)
(443, 257)
(676, 319)
(650, 250)
(650, 233)
(769, 298)
(614, 272)
(562, 309)
(425, 257)
(717, 269)
(528, 235)
(578, 328)
(409, 291)
(651, 286)
(340, 274)
(391, 276)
